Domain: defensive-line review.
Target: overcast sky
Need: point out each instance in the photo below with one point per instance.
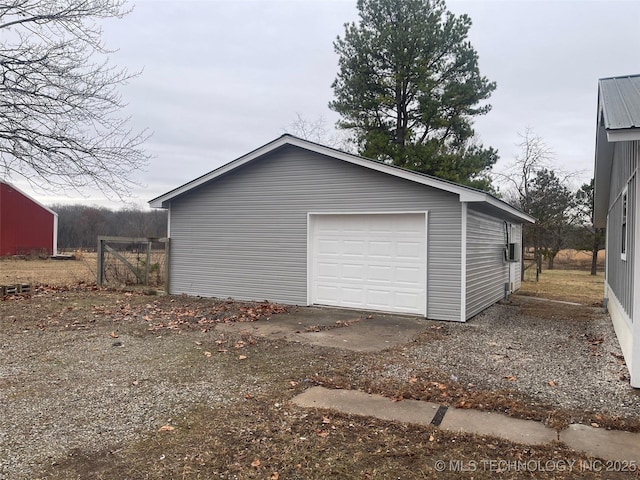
(221, 78)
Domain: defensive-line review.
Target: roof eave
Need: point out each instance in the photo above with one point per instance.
(623, 134)
(510, 211)
(465, 194)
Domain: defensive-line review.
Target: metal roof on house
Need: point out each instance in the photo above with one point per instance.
(620, 102)
(618, 121)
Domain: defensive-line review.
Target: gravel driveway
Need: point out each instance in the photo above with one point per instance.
(78, 374)
(566, 356)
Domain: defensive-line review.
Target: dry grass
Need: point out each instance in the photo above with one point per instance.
(578, 260)
(567, 285)
(82, 269)
(48, 272)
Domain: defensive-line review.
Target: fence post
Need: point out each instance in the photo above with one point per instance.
(147, 264)
(100, 273)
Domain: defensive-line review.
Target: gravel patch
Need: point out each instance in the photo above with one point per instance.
(84, 373)
(557, 354)
(62, 391)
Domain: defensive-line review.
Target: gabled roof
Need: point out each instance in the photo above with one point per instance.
(618, 121)
(467, 194)
(44, 207)
(620, 104)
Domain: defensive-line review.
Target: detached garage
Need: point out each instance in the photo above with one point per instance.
(298, 223)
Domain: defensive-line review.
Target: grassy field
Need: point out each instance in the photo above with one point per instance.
(568, 285)
(48, 272)
(81, 269)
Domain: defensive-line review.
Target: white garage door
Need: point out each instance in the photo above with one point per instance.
(369, 261)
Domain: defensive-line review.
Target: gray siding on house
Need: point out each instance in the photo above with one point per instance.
(487, 272)
(245, 234)
(623, 174)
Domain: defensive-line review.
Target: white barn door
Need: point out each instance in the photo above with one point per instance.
(369, 261)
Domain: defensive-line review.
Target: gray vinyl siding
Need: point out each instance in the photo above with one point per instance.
(623, 174)
(245, 234)
(487, 272)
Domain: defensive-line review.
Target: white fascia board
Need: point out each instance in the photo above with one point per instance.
(623, 135)
(463, 263)
(509, 209)
(55, 234)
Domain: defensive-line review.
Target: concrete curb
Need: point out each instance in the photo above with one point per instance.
(606, 444)
(360, 403)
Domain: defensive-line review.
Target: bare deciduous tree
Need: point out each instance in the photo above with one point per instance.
(534, 155)
(60, 123)
(319, 132)
(534, 186)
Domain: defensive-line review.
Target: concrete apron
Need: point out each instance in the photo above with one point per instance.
(338, 328)
(606, 444)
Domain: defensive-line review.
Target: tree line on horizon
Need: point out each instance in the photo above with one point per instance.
(79, 225)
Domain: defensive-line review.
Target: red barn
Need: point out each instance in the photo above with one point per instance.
(26, 226)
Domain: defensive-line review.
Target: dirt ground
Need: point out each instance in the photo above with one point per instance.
(112, 384)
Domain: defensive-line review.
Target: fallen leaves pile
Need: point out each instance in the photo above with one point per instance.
(176, 316)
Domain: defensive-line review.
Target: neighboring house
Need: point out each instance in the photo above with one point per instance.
(300, 223)
(26, 226)
(617, 193)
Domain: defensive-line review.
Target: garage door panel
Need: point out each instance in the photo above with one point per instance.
(379, 298)
(380, 273)
(408, 300)
(352, 296)
(409, 250)
(375, 261)
(356, 272)
(328, 246)
(409, 276)
(326, 293)
(381, 249)
(353, 247)
(328, 271)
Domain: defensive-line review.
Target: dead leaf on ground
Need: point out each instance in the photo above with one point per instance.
(326, 420)
(511, 378)
(275, 476)
(166, 428)
(113, 335)
(256, 463)
(552, 383)
(207, 354)
(322, 434)
(242, 357)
